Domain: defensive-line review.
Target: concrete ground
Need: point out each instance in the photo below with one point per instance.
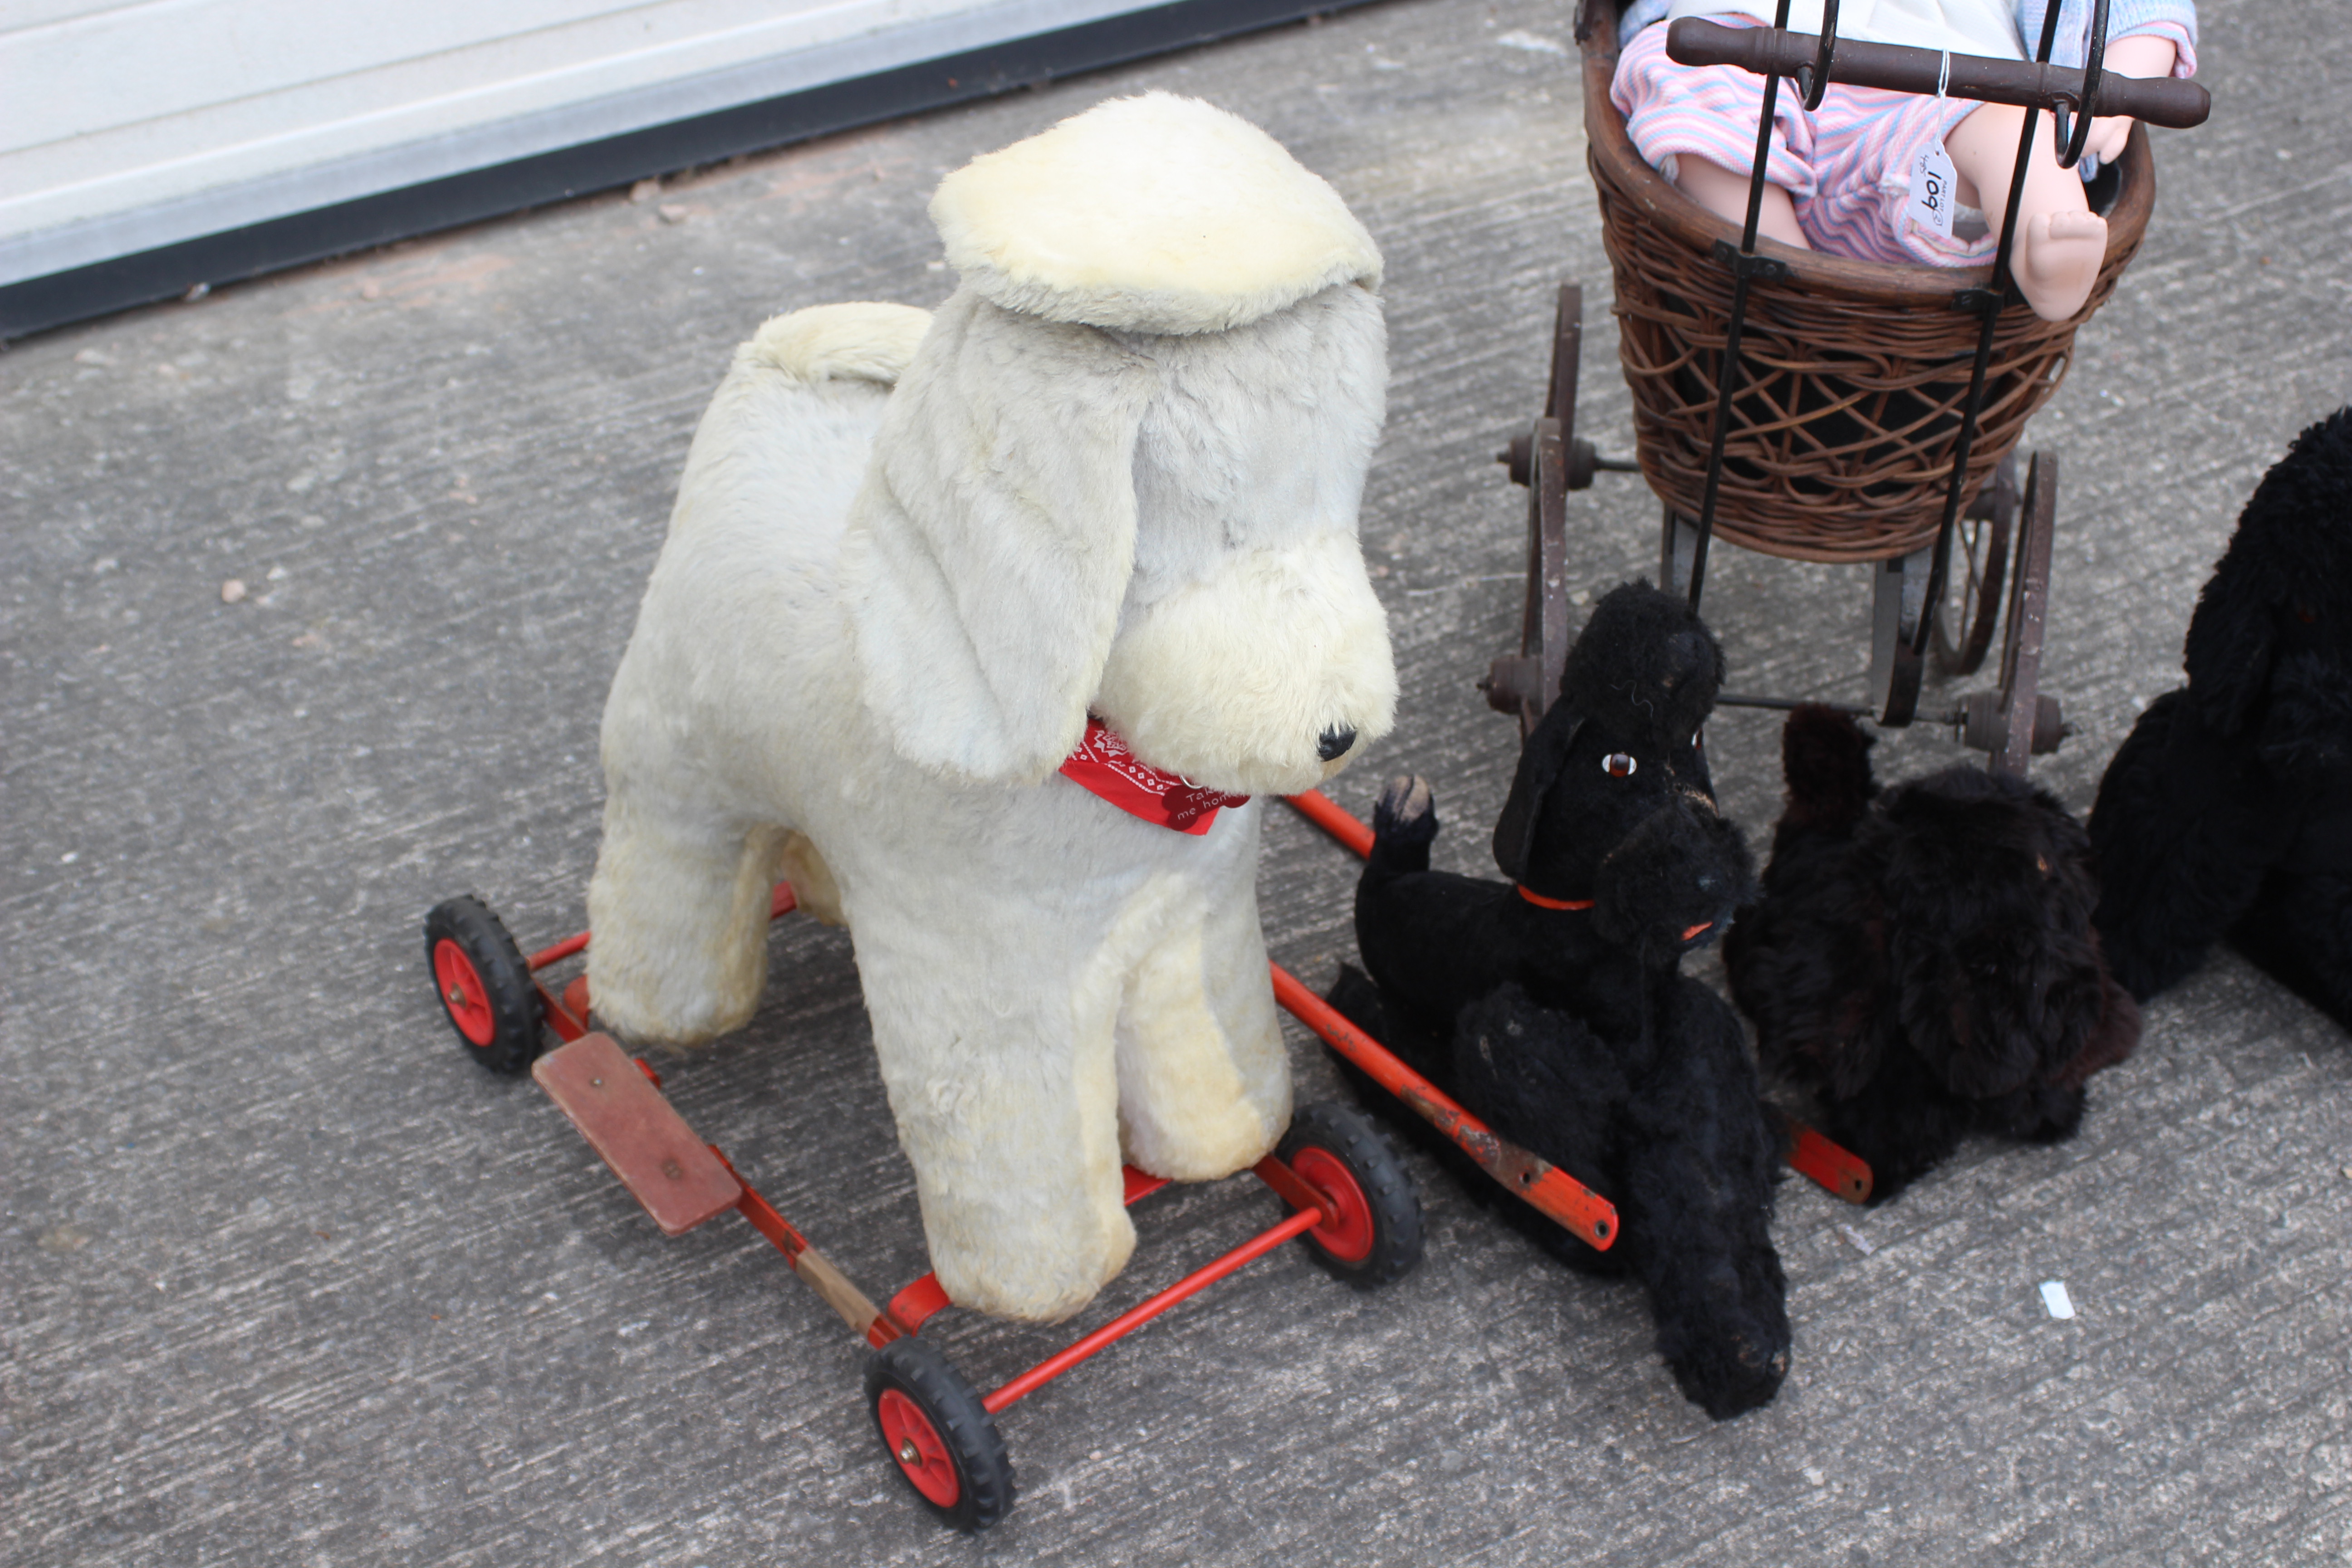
(283, 1279)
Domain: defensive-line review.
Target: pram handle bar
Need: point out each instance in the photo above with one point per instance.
(2159, 100)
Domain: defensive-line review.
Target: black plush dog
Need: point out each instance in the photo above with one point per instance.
(2228, 807)
(1552, 1006)
(1923, 960)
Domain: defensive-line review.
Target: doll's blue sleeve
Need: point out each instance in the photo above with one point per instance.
(1638, 16)
(2173, 19)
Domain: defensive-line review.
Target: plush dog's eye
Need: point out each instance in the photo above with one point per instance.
(1618, 766)
(2305, 613)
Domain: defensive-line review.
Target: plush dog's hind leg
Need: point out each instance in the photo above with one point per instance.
(2300, 930)
(2181, 845)
(678, 907)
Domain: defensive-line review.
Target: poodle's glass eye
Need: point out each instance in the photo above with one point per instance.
(2305, 613)
(1618, 766)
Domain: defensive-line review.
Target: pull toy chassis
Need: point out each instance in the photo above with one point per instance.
(1350, 1199)
(1842, 431)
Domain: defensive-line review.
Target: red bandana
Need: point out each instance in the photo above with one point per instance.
(1103, 764)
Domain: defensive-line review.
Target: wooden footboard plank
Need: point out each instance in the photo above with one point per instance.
(637, 1132)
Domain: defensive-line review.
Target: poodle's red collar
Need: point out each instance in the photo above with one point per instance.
(1103, 764)
(1539, 901)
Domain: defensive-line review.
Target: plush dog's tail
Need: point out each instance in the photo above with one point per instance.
(1825, 757)
(839, 343)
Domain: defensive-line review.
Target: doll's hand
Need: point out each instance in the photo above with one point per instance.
(2145, 55)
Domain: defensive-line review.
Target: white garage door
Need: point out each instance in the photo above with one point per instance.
(131, 127)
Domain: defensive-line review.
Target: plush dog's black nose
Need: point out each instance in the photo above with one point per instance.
(1335, 741)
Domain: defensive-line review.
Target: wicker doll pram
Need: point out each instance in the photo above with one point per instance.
(1852, 371)
(1849, 411)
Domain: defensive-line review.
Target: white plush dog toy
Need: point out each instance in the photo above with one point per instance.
(1119, 475)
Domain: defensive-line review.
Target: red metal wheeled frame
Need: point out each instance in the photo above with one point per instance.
(1314, 1208)
(927, 1418)
(937, 1430)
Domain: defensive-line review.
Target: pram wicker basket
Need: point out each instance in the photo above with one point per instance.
(1852, 371)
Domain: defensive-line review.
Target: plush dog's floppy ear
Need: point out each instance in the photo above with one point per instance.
(1540, 760)
(2232, 638)
(988, 553)
(2290, 534)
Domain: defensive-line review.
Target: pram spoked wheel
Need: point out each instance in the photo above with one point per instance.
(485, 984)
(2017, 721)
(1979, 572)
(939, 1433)
(1550, 460)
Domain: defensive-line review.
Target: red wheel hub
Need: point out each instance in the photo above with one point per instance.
(1348, 1236)
(463, 993)
(915, 1443)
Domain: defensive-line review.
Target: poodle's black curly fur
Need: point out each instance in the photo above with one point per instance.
(1571, 1030)
(2228, 807)
(1923, 960)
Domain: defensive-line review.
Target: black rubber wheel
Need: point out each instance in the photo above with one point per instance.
(938, 1433)
(484, 984)
(1376, 1239)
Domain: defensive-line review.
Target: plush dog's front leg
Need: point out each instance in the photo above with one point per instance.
(1700, 1162)
(1701, 1249)
(995, 1044)
(1203, 1079)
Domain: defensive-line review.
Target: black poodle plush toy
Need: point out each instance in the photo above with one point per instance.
(2228, 810)
(1923, 960)
(1552, 1005)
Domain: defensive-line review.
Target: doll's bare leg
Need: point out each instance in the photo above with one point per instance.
(1725, 193)
(2061, 242)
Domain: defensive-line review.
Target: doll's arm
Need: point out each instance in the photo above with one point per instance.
(2142, 54)
(2145, 39)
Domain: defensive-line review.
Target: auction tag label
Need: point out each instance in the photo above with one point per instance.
(1933, 183)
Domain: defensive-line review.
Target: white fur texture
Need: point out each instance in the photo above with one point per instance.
(1155, 214)
(863, 341)
(873, 633)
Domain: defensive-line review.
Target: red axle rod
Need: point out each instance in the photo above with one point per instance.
(1334, 820)
(1135, 1317)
